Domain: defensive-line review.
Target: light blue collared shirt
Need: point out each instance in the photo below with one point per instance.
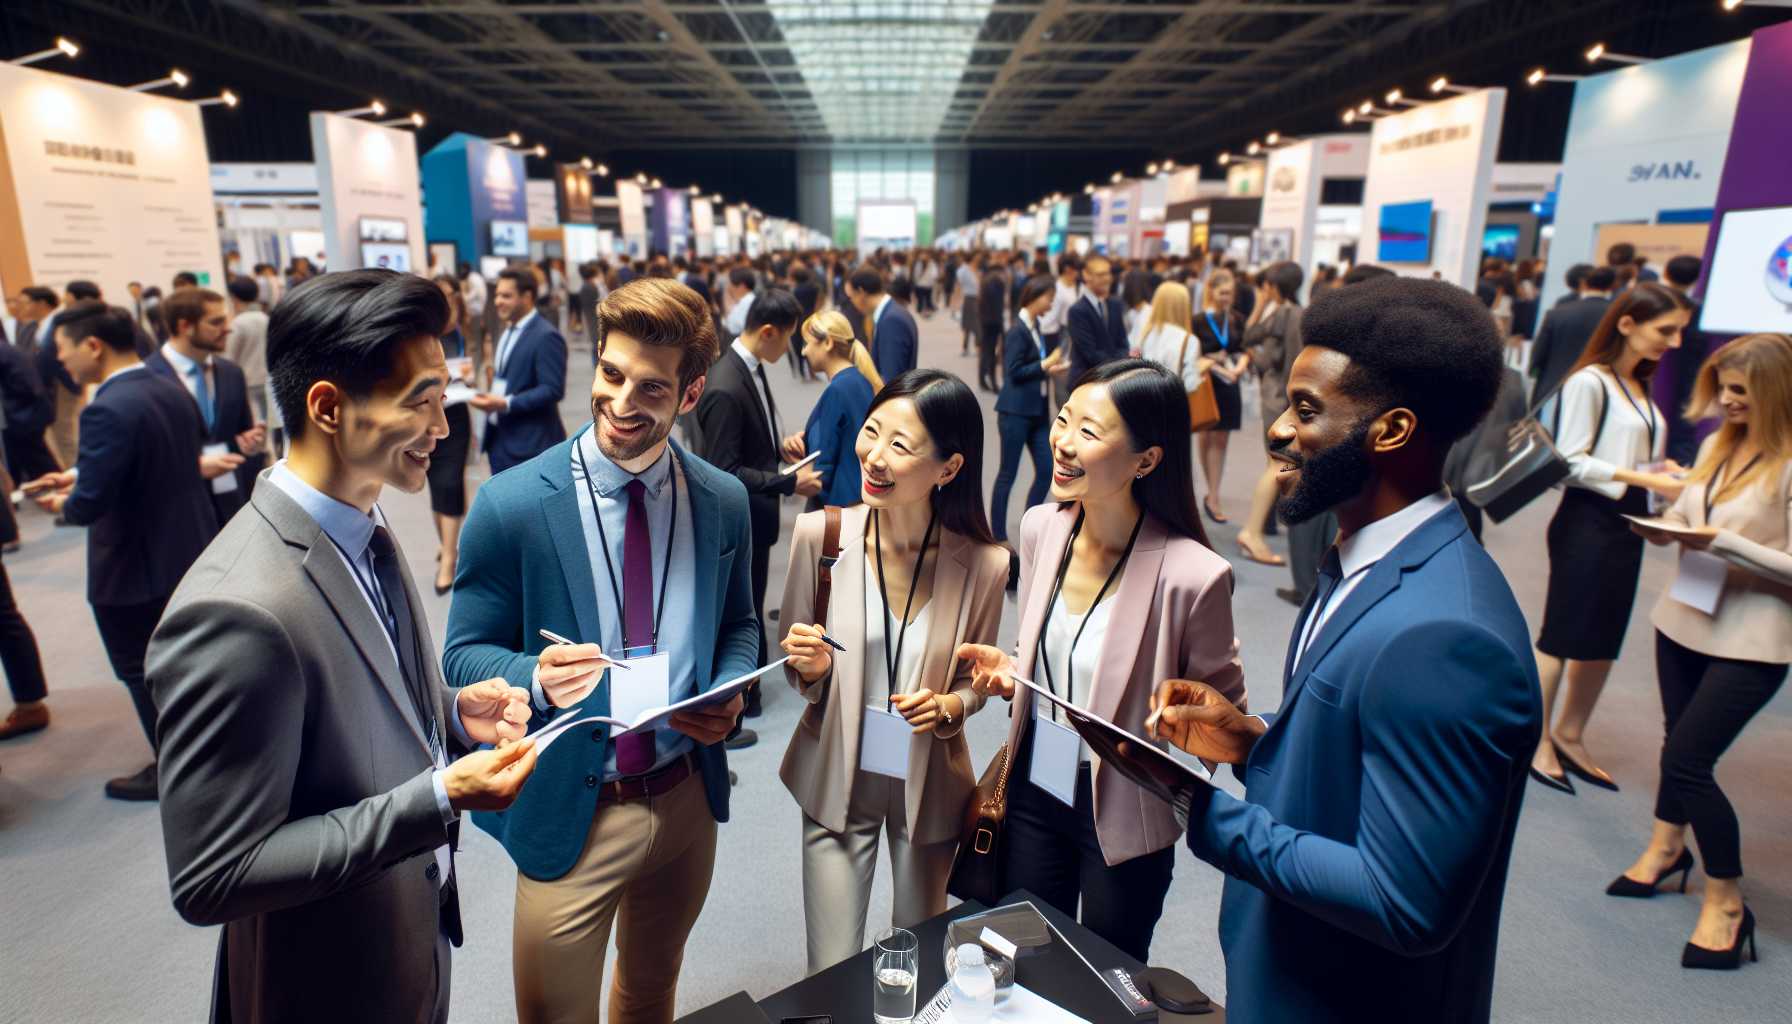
(352, 530)
(677, 629)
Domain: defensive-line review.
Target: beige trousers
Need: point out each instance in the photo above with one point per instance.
(838, 868)
(646, 867)
(65, 432)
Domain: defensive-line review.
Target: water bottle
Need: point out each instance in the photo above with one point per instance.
(973, 987)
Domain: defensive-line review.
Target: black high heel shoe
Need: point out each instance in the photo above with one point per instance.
(1698, 958)
(1630, 888)
(1580, 771)
(1559, 783)
(1211, 514)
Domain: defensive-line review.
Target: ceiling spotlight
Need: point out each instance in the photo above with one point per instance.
(379, 108)
(1394, 96)
(1169, 165)
(1350, 116)
(1089, 189)
(1225, 158)
(603, 170)
(1538, 75)
(640, 179)
(694, 190)
(657, 183)
(1254, 148)
(376, 108)
(1535, 76)
(1595, 52)
(417, 120)
(586, 163)
(716, 197)
(540, 150)
(223, 99)
(1272, 138)
(1151, 169)
(1366, 107)
(64, 47)
(1598, 52)
(1440, 84)
(176, 78)
(1117, 178)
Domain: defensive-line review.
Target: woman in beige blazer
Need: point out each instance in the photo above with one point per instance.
(918, 575)
(1721, 656)
(1118, 592)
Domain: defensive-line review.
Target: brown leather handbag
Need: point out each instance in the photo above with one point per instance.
(977, 870)
(1203, 408)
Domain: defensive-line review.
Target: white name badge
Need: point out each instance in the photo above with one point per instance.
(1700, 582)
(644, 686)
(225, 483)
(1056, 750)
(501, 388)
(884, 743)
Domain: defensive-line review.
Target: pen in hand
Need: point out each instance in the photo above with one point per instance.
(554, 638)
(831, 642)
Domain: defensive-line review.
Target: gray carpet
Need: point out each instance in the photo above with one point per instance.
(87, 933)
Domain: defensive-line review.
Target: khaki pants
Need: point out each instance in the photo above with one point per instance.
(646, 866)
(838, 868)
(65, 433)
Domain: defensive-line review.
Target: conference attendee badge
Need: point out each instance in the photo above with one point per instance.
(884, 743)
(646, 685)
(223, 483)
(1700, 582)
(1056, 751)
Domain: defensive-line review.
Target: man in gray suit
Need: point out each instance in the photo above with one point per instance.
(308, 804)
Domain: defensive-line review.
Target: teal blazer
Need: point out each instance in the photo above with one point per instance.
(524, 566)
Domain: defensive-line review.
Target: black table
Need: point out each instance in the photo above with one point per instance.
(844, 990)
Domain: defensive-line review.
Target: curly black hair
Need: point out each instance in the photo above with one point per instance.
(1422, 345)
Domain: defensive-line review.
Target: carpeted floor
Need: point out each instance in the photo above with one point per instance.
(87, 933)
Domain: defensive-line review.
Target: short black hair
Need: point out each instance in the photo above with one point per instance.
(1683, 271)
(867, 280)
(344, 328)
(89, 319)
(1037, 285)
(1620, 254)
(38, 293)
(84, 291)
(243, 288)
(901, 289)
(186, 279)
(743, 277)
(1577, 275)
(776, 307)
(1423, 345)
(521, 278)
(1366, 272)
(1287, 277)
(1602, 279)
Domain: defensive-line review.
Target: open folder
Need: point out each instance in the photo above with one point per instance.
(652, 718)
(1143, 763)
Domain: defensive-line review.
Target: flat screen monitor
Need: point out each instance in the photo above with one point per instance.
(491, 266)
(1749, 288)
(510, 238)
(382, 229)
(1405, 233)
(1500, 241)
(387, 256)
(1272, 245)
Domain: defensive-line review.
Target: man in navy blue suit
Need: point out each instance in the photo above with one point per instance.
(1096, 322)
(894, 340)
(136, 487)
(192, 357)
(1368, 859)
(529, 377)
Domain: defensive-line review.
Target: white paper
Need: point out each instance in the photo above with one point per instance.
(1056, 751)
(1700, 582)
(500, 387)
(884, 743)
(1021, 1005)
(643, 688)
(226, 482)
(793, 467)
(458, 392)
(1667, 526)
(652, 718)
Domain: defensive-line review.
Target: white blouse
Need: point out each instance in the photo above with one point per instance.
(1060, 629)
(877, 665)
(1163, 345)
(1635, 432)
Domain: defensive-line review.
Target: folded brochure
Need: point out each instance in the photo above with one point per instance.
(1664, 525)
(652, 718)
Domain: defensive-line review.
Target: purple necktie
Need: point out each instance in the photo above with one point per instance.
(634, 752)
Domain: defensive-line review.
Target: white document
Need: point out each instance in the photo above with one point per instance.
(1700, 582)
(793, 467)
(1022, 1005)
(501, 388)
(1666, 526)
(1056, 751)
(458, 392)
(644, 687)
(649, 719)
(884, 743)
(224, 483)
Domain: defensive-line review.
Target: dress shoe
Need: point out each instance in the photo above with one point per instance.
(741, 740)
(1699, 958)
(753, 708)
(1582, 772)
(1629, 887)
(1559, 783)
(26, 719)
(139, 787)
(1292, 596)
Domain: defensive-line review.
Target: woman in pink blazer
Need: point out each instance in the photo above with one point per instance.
(1118, 591)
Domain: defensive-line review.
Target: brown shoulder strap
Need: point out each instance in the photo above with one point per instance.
(830, 553)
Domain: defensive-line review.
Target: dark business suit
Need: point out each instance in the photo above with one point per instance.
(231, 416)
(534, 373)
(1367, 862)
(148, 511)
(29, 411)
(732, 435)
(992, 298)
(1561, 340)
(1024, 421)
(1093, 340)
(895, 341)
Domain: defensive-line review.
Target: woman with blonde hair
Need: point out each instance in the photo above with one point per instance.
(1220, 330)
(1720, 660)
(833, 425)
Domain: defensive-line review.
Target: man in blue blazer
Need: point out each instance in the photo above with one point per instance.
(136, 487)
(1096, 322)
(894, 339)
(528, 380)
(1368, 859)
(193, 358)
(633, 548)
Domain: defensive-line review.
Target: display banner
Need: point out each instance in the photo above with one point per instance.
(1293, 184)
(475, 197)
(264, 179)
(1429, 177)
(1643, 140)
(703, 227)
(368, 188)
(573, 189)
(101, 184)
(734, 219)
(671, 221)
(541, 199)
(633, 207)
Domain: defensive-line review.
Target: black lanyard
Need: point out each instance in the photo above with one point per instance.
(1223, 336)
(1648, 418)
(893, 659)
(1717, 481)
(610, 567)
(1045, 660)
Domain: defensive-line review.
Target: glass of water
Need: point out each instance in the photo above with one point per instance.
(895, 964)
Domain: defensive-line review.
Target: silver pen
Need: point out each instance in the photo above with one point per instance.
(554, 638)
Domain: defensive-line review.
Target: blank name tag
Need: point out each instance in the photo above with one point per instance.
(1700, 582)
(645, 686)
(501, 388)
(225, 483)
(884, 743)
(1056, 750)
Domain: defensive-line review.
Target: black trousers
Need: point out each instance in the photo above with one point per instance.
(1031, 434)
(28, 455)
(18, 649)
(125, 630)
(987, 338)
(1051, 849)
(924, 298)
(762, 560)
(1706, 701)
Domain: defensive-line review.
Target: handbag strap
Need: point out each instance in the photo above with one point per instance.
(830, 553)
(1556, 430)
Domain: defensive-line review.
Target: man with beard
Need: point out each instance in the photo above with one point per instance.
(1368, 858)
(192, 357)
(638, 552)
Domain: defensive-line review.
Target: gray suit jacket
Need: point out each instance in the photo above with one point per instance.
(297, 805)
(1273, 342)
